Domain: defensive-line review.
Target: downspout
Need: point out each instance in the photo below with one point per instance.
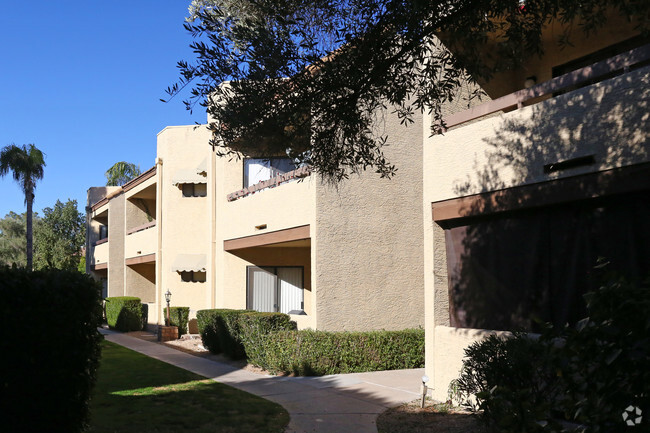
(213, 228)
(159, 220)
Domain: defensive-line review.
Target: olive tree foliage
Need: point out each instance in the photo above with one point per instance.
(308, 77)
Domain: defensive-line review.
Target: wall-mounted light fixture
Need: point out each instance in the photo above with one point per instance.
(530, 82)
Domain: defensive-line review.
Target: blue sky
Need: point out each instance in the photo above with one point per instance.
(82, 80)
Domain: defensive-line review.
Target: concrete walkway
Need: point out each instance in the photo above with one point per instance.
(336, 403)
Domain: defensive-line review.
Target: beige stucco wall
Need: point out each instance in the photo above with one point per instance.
(367, 246)
(141, 281)
(617, 30)
(608, 120)
(116, 234)
(95, 219)
(184, 222)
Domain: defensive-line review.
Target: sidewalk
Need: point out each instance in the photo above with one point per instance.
(336, 403)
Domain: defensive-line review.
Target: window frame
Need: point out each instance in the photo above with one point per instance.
(274, 170)
(193, 187)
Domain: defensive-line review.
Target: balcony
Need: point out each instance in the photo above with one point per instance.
(100, 255)
(588, 120)
(285, 201)
(141, 242)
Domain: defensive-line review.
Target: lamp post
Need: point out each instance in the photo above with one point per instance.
(168, 298)
(423, 388)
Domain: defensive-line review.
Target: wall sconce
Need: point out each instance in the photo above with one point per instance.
(530, 82)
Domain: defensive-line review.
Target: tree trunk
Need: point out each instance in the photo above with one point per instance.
(29, 196)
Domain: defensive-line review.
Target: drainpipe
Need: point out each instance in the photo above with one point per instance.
(213, 228)
(159, 221)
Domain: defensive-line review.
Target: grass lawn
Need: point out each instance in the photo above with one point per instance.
(135, 393)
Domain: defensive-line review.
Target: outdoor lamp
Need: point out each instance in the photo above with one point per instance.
(425, 379)
(168, 298)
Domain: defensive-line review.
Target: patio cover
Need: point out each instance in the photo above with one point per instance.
(189, 262)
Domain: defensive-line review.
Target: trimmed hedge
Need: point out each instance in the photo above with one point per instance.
(124, 313)
(51, 350)
(219, 329)
(254, 327)
(178, 316)
(313, 353)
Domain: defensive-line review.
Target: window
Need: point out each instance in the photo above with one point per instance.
(273, 289)
(195, 189)
(518, 270)
(258, 170)
(103, 232)
(193, 276)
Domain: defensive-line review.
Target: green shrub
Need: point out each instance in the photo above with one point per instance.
(310, 352)
(178, 316)
(219, 329)
(124, 313)
(51, 350)
(254, 328)
(587, 375)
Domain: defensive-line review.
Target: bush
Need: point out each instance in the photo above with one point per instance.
(254, 328)
(219, 329)
(124, 313)
(586, 375)
(51, 350)
(311, 353)
(178, 316)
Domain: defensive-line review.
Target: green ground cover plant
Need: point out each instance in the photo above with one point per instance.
(138, 394)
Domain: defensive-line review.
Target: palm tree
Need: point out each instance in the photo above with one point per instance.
(121, 172)
(26, 163)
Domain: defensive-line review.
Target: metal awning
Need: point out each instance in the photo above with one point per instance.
(187, 176)
(202, 168)
(189, 262)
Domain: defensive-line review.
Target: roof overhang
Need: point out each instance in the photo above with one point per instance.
(267, 239)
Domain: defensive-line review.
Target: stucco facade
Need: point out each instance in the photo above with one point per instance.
(351, 253)
(569, 148)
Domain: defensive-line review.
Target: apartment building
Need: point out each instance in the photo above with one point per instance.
(526, 191)
(263, 234)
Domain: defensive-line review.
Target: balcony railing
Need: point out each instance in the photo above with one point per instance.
(564, 82)
(271, 183)
(142, 227)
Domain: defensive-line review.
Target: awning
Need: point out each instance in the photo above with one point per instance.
(187, 176)
(202, 168)
(189, 262)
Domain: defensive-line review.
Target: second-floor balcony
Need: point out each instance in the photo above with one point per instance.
(592, 119)
(99, 259)
(284, 201)
(141, 241)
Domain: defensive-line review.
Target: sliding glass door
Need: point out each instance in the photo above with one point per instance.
(273, 289)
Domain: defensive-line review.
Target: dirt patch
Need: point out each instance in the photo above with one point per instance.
(192, 344)
(433, 418)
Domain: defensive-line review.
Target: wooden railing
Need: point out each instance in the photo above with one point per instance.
(575, 78)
